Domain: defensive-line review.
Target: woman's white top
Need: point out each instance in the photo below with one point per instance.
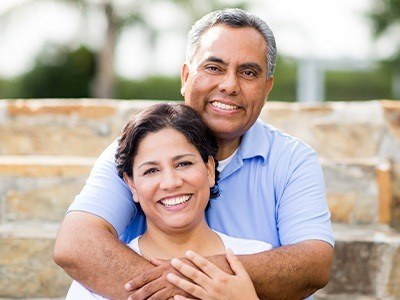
(239, 247)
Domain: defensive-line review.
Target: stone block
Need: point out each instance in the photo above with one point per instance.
(392, 116)
(346, 140)
(27, 269)
(57, 127)
(82, 127)
(40, 188)
(358, 191)
(333, 129)
(365, 262)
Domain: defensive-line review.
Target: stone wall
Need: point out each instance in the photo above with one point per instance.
(47, 148)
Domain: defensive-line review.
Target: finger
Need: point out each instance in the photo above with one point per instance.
(161, 294)
(179, 297)
(155, 261)
(142, 280)
(235, 264)
(146, 291)
(186, 286)
(204, 265)
(192, 273)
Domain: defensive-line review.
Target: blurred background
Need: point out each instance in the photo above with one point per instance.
(328, 50)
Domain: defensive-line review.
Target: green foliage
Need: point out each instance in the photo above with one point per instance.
(357, 85)
(59, 73)
(285, 80)
(154, 87)
(384, 15)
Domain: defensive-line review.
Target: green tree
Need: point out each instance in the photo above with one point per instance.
(58, 73)
(385, 17)
(118, 16)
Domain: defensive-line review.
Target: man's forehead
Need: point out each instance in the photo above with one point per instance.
(224, 42)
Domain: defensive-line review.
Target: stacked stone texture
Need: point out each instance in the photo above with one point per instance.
(47, 148)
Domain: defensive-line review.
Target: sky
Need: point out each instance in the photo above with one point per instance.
(329, 30)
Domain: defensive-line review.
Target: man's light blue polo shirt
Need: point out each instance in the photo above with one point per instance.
(273, 190)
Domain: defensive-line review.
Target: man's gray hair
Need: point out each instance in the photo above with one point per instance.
(232, 17)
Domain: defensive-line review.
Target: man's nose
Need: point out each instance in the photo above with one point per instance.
(170, 180)
(230, 83)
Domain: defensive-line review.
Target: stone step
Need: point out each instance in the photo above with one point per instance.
(40, 187)
(82, 127)
(359, 191)
(340, 129)
(27, 269)
(366, 263)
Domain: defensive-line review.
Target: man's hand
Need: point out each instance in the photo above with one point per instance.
(154, 284)
(210, 282)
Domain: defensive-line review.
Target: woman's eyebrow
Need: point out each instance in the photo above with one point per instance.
(154, 163)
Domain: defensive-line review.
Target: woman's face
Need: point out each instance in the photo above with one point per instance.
(170, 181)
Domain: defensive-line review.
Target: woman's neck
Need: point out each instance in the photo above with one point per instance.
(170, 244)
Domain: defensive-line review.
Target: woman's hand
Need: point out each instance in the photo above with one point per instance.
(210, 282)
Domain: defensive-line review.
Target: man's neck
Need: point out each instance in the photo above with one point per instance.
(227, 147)
(167, 245)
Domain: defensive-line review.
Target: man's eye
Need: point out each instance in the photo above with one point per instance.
(249, 73)
(150, 171)
(212, 68)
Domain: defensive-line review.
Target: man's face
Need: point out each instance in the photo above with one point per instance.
(226, 81)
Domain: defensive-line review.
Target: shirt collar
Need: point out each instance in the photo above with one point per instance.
(255, 142)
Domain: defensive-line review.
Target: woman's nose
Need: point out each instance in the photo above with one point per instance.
(170, 180)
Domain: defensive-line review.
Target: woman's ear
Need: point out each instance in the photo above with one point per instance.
(211, 171)
(131, 185)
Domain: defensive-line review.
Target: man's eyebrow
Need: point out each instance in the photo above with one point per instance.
(251, 65)
(215, 59)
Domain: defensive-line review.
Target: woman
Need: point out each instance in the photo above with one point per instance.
(166, 155)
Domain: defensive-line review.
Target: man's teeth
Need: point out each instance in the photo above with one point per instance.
(175, 201)
(224, 106)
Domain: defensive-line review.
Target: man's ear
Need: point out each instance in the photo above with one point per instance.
(184, 77)
(269, 85)
(211, 171)
(131, 186)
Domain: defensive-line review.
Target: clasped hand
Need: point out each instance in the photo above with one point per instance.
(193, 277)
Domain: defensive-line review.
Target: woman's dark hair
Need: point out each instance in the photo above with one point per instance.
(166, 115)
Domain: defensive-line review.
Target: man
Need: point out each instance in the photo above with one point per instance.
(271, 184)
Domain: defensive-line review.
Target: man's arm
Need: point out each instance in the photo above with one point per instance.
(88, 249)
(290, 272)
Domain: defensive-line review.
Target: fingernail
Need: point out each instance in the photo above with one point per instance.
(128, 286)
(174, 261)
(189, 253)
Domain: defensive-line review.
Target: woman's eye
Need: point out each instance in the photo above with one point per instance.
(150, 171)
(184, 164)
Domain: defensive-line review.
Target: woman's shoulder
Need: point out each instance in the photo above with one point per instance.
(243, 246)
